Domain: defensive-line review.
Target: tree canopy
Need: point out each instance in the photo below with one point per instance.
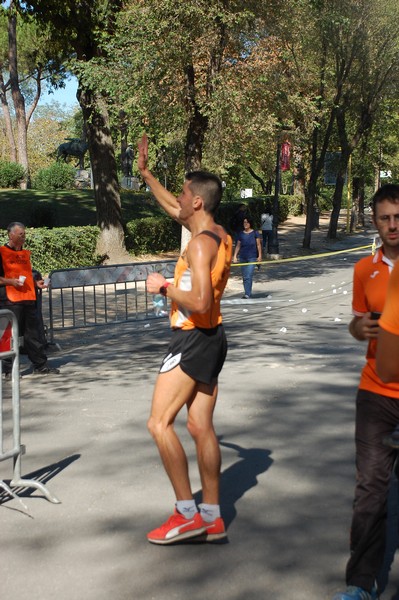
(223, 82)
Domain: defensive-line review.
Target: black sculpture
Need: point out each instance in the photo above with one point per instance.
(128, 161)
(74, 147)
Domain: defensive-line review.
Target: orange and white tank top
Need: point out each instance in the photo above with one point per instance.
(16, 263)
(180, 317)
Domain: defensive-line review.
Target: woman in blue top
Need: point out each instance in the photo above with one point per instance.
(249, 249)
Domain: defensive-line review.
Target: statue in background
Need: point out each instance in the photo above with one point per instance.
(73, 147)
(128, 161)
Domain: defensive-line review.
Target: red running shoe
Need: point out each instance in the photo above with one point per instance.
(214, 531)
(177, 528)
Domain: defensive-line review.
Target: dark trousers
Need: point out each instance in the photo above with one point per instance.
(266, 238)
(376, 417)
(29, 327)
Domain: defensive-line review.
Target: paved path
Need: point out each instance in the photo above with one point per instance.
(285, 420)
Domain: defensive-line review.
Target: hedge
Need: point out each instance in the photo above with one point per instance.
(68, 247)
(256, 206)
(58, 176)
(61, 247)
(11, 174)
(152, 235)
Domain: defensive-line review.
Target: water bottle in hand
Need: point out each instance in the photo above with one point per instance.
(160, 305)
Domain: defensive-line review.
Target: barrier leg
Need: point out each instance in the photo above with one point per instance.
(18, 481)
(9, 491)
(18, 448)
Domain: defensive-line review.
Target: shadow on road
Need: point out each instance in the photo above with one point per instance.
(42, 475)
(239, 478)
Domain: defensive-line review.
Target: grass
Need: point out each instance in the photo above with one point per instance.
(64, 208)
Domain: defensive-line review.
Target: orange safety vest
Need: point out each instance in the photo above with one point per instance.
(16, 263)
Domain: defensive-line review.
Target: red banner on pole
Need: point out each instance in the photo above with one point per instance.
(285, 156)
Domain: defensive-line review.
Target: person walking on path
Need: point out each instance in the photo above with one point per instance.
(18, 294)
(189, 372)
(249, 250)
(237, 222)
(377, 407)
(266, 221)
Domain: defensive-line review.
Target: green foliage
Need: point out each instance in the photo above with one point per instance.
(325, 198)
(152, 234)
(75, 245)
(295, 205)
(49, 127)
(255, 206)
(11, 174)
(69, 247)
(61, 248)
(58, 176)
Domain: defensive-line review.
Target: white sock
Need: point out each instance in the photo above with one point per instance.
(187, 508)
(209, 512)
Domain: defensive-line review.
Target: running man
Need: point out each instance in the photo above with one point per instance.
(189, 373)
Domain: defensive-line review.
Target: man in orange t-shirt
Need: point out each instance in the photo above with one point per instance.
(377, 406)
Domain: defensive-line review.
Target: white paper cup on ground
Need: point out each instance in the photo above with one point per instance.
(22, 278)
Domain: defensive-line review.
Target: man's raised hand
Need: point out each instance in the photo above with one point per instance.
(143, 153)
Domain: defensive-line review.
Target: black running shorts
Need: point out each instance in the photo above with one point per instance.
(200, 353)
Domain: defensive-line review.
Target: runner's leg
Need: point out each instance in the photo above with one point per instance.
(200, 425)
(173, 390)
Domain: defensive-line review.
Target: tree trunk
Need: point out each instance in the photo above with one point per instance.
(262, 182)
(310, 192)
(274, 247)
(361, 196)
(7, 120)
(340, 182)
(317, 164)
(18, 99)
(337, 202)
(299, 177)
(310, 208)
(196, 131)
(358, 199)
(110, 243)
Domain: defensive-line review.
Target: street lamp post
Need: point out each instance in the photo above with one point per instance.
(273, 245)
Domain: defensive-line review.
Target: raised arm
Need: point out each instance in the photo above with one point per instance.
(163, 197)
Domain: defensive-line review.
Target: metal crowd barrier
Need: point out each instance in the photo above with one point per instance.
(9, 348)
(92, 296)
